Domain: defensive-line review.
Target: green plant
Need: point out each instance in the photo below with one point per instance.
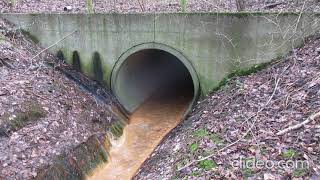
(194, 147)
(183, 4)
(207, 164)
(290, 153)
(195, 174)
(300, 172)
(90, 6)
(247, 172)
(117, 128)
(201, 133)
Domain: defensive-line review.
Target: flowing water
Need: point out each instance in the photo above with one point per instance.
(148, 125)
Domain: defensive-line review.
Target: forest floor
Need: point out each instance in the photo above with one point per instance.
(239, 122)
(42, 113)
(150, 6)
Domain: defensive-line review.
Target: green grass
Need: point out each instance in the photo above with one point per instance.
(90, 6)
(300, 172)
(290, 153)
(183, 4)
(195, 174)
(207, 164)
(194, 147)
(201, 133)
(247, 172)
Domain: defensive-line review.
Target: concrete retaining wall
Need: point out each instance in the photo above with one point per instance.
(215, 44)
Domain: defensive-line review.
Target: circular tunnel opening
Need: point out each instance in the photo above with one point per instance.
(153, 74)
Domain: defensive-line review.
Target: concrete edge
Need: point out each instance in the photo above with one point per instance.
(159, 46)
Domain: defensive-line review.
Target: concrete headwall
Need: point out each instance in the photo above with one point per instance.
(215, 44)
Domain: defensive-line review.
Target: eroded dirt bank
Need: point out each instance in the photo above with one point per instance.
(42, 113)
(257, 106)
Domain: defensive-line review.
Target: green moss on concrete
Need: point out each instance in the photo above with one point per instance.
(97, 67)
(107, 75)
(60, 56)
(76, 61)
(242, 72)
(209, 52)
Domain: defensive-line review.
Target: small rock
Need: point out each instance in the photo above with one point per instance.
(5, 165)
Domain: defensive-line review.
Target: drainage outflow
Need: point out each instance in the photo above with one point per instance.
(150, 72)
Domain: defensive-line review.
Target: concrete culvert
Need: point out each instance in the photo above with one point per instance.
(153, 72)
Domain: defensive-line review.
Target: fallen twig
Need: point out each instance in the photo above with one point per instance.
(304, 3)
(297, 126)
(141, 6)
(54, 44)
(273, 5)
(4, 62)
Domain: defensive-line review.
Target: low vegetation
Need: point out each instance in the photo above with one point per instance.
(33, 112)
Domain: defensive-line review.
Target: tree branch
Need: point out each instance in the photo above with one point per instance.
(297, 126)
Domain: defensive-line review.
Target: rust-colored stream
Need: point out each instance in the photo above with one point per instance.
(147, 126)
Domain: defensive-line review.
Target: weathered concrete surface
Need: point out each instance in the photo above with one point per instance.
(214, 44)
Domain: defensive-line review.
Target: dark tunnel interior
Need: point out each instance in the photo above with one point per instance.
(152, 72)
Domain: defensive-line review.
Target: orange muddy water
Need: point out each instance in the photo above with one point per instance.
(147, 127)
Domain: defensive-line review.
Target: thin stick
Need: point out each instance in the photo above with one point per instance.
(297, 126)
(53, 45)
(300, 15)
(142, 9)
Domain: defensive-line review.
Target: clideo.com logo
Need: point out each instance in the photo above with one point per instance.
(253, 163)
